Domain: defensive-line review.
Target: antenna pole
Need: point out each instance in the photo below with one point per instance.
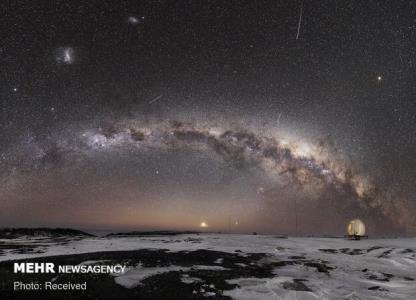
(296, 218)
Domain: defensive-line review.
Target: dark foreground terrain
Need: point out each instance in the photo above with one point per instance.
(191, 282)
(215, 266)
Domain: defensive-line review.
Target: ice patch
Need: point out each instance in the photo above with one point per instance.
(133, 277)
(211, 268)
(188, 280)
(265, 289)
(241, 265)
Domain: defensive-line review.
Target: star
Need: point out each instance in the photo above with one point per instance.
(379, 78)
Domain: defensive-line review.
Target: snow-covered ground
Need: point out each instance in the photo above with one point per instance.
(366, 269)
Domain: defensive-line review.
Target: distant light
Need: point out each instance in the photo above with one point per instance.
(15, 89)
(379, 78)
(203, 225)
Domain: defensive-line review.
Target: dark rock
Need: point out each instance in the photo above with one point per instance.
(320, 267)
(377, 288)
(296, 285)
(12, 233)
(150, 233)
(332, 251)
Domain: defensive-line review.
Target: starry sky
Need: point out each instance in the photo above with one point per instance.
(260, 116)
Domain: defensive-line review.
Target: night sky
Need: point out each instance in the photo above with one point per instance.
(243, 115)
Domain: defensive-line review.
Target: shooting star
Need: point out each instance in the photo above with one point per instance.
(156, 99)
(299, 22)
